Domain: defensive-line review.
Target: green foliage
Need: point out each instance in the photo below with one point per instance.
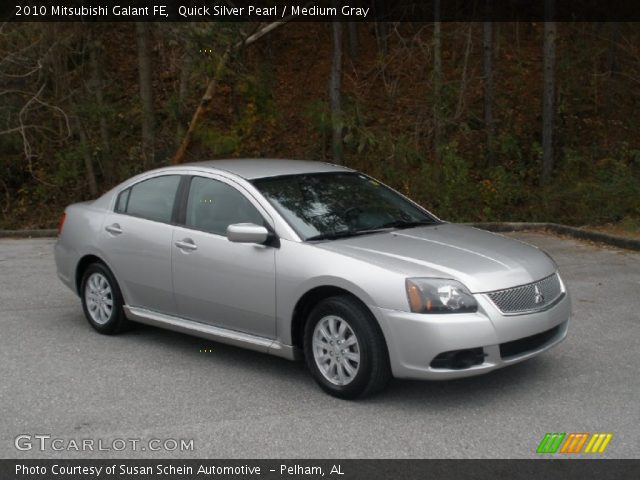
(319, 116)
(606, 190)
(255, 111)
(256, 106)
(217, 142)
(357, 137)
(457, 190)
(631, 224)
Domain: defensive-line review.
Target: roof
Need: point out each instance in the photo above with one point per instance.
(252, 168)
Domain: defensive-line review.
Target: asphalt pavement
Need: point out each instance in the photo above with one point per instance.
(59, 378)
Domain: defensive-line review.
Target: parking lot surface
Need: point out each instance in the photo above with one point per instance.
(61, 378)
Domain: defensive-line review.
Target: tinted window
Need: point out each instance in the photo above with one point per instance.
(212, 206)
(331, 203)
(153, 199)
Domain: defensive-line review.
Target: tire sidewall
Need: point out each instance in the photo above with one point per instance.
(117, 315)
(359, 321)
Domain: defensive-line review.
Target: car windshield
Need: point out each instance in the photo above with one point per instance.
(328, 205)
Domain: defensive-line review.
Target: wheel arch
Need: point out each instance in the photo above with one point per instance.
(82, 266)
(309, 300)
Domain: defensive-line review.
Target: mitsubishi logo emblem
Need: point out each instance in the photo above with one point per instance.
(538, 297)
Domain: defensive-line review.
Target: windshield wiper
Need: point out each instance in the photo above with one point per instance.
(344, 234)
(407, 224)
(387, 226)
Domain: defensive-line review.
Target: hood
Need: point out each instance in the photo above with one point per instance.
(481, 260)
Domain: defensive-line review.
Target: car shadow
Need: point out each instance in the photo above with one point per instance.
(439, 395)
(470, 391)
(221, 353)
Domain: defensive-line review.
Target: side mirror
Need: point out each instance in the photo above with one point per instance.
(247, 233)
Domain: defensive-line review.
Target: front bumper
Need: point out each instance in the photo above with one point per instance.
(415, 340)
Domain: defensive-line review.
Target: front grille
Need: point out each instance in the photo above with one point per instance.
(528, 298)
(528, 344)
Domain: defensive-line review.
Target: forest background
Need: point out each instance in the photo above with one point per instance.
(505, 121)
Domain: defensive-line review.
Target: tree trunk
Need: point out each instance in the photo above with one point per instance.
(380, 27)
(613, 66)
(548, 107)
(437, 81)
(146, 96)
(465, 68)
(88, 161)
(97, 85)
(354, 43)
(186, 63)
(487, 43)
(183, 81)
(335, 92)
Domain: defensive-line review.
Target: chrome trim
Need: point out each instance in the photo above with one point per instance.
(548, 306)
(562, 293)
(203, 330)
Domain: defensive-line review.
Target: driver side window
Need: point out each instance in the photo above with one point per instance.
(213, 205)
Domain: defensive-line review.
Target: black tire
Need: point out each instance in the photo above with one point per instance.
(116, 322)
(373, 371)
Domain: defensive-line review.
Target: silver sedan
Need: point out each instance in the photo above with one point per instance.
(310, 260)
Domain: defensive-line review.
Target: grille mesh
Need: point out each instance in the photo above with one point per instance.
(523, 298)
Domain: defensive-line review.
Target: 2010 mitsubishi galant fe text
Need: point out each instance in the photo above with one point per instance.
(310, 260)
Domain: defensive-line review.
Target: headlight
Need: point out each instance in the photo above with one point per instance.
(439, 295)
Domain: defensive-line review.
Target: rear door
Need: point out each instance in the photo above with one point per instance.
(215, 281)
(136, 241)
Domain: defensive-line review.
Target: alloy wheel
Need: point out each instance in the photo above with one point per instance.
(99, 298)
(336, 350)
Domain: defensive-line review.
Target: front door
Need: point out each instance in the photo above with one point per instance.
(215, 281)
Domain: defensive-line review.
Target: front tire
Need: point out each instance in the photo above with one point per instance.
(102, 300)
(345, 349)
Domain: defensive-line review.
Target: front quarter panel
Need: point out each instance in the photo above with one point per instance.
(302, 267)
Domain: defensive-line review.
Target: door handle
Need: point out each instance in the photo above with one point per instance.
(114, 229)
(186, 244)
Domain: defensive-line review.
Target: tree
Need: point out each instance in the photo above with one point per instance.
(381, 27)
(437, 80)
(146, 93)
(335, 92)
(487, 44)
(464, 76)
(96, 84)
(613, 65)
(548, 106)
(86, 157)
(354, 43)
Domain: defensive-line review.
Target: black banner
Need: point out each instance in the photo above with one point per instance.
(314, 469)
(321, 10)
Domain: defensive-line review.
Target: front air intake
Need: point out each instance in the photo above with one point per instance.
(459, 359)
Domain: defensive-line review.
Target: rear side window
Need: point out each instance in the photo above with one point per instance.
(152, 199)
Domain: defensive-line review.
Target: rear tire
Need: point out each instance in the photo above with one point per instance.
(345, 350)
(102, 300)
